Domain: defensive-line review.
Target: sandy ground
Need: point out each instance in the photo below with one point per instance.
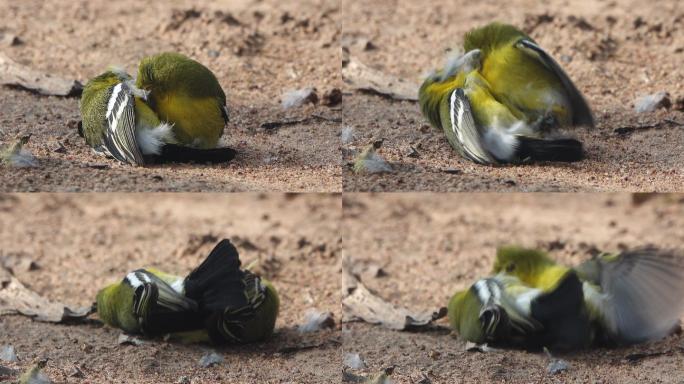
(431, 245)
(258, 50)
(83, 242)
(615, 51)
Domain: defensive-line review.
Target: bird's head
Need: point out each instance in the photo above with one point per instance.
(492, 36)
(111, 300)
(521, 262)
(97, 86)
(173, 71)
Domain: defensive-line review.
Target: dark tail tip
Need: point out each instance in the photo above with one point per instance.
(172, 153)
(567, 150)
(222, 266)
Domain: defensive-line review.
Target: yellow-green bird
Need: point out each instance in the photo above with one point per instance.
(216, 302)
(187, 94)
(117, 122)
(504, 99)
(613, 299)
(175, 111)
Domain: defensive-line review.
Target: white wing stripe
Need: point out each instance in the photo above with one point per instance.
(133, 280)
(454, 123)
(482, 290)
(115, 125)
(119, 112)
(112, 99)
(466, 132)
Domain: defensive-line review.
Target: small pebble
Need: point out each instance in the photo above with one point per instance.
(125, 339)
(314, 321)
(298, 97)
(210, 359)
(650, 103)
(7, 353)
(557, 366)
(347, 135)
(353, 361)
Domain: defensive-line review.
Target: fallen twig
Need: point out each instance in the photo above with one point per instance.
(632, 128)
(635, 357)
(326, 118)
(18, 75)
(303, 347)
(97, 166)
(362, 77)
(282, 123)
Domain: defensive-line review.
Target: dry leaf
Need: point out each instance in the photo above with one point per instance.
(15, 155)
(315, 321)
(210, 359)
(368, 161)
(298, 97)
(18, 75)
(557, 366)
(15, 298)
(353, 361)
(364, 305)
(361, 76)
(35, 375)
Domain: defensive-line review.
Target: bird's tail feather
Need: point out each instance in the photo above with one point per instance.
(566, 149)
(227, 295)
(213, 283)
(173, 153)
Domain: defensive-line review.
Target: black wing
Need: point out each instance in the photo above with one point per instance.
(229, 294)
(159, 308)
(213, 283)
(173, 153)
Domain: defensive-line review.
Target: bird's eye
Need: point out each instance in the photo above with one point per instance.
(510, 267)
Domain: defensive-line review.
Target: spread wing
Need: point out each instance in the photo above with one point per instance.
(641, 293)
(581, 113)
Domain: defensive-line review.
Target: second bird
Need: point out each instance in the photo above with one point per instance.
(504, 99)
